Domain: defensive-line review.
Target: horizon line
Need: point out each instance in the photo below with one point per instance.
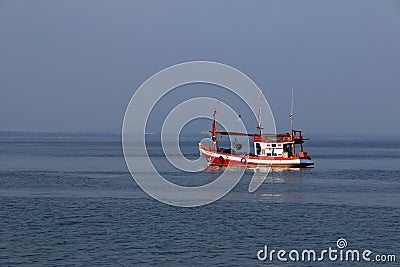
(113, 133)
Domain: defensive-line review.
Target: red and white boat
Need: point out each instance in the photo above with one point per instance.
(275, 150)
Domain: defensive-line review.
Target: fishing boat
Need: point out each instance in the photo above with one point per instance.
(276, 150)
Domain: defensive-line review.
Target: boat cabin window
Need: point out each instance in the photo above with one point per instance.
(258, 149)
(273, 145)
(288, 148)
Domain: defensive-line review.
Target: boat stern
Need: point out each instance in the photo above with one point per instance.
(306, 162)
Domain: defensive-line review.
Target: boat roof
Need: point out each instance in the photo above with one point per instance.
(295, 136)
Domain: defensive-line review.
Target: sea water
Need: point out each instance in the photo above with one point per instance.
(72, 202)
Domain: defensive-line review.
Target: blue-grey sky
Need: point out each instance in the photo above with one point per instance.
(74, 65)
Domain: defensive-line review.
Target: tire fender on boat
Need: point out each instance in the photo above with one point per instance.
(243, 160)
(221, 159)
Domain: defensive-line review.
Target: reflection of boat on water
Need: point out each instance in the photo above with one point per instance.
(275, 150)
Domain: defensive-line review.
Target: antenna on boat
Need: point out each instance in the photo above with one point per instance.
(259, 114)
(291, 115)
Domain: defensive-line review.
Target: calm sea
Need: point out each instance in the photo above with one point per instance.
(72, 202)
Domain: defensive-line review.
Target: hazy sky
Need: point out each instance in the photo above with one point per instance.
(74, 65)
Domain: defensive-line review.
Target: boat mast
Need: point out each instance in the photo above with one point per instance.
(259, 115)
(213, 138)
(291, 115)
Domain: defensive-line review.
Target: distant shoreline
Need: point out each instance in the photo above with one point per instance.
(114, 135)
(55, 135)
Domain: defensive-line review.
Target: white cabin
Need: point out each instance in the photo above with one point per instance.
(284, 150)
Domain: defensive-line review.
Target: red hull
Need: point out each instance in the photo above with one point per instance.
(222, 159)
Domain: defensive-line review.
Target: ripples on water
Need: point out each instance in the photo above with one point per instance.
(72, 202)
